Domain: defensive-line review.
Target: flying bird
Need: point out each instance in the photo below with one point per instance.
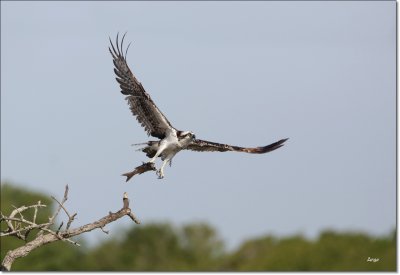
(170, 140)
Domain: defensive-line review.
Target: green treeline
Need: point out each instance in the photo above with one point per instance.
(197, 247)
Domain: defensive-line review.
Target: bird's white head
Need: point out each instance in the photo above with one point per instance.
(186, 135)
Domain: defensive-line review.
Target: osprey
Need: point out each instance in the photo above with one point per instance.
(171, 140)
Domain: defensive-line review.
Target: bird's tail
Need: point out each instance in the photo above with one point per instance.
(150, 147)
(140, 144)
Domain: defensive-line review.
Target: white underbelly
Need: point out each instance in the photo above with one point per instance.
(173, 146)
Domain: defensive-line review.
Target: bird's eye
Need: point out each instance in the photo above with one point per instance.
(194, 136)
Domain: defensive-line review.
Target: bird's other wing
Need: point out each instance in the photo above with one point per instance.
(208, 146)
(140, 103)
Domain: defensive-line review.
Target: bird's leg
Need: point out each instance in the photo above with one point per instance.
(160, 173)
(161, 148)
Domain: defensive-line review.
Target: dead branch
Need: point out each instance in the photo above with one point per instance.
(29, 227)
(45, 235)
(60, 205)
(16, 229)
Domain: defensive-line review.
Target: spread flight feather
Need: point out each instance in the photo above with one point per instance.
(140, 102)
(157, 125)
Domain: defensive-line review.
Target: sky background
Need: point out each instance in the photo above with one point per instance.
(244, 73)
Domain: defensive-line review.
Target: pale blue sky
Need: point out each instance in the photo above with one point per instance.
(244, 73)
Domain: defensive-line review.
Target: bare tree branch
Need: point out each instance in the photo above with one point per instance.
(60, 205)
(15, 229)
(70, 220)
(59, 228)
(105, 231)
(46, 235)
(36, 210)
(30, 227)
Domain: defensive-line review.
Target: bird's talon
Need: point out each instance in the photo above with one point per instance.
(159, 174)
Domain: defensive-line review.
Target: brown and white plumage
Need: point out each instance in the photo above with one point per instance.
(140, 102)
(157, 125)
(208, 146)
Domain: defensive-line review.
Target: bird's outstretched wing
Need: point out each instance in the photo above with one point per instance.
(208, 146)
(140, 103)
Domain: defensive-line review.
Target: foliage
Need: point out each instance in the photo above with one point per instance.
(159, 247)
(332, 251)
(197, 247)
